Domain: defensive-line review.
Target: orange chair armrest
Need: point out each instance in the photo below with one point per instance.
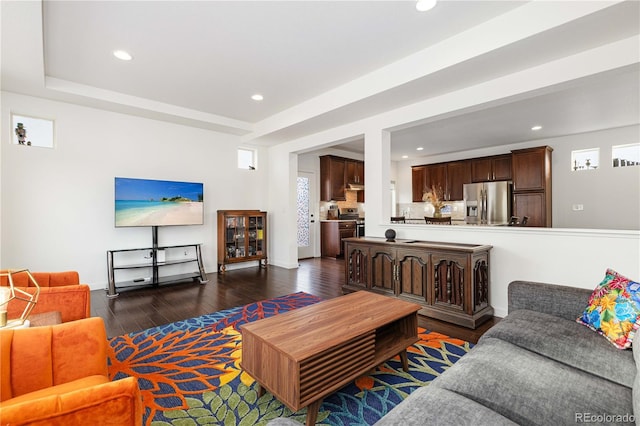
(112, 403)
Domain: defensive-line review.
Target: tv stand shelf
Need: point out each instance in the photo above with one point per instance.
(192, 254)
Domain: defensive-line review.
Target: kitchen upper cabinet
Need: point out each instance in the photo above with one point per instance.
(423, 177)
(532, 169)
(532, 185)
(355, 172)
(449, 177)
(436, 176)
(332, 184)
(458, 174)
(336, 173)
(488, 169)
(417, 183)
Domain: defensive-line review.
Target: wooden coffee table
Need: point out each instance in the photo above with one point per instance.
(303, 355)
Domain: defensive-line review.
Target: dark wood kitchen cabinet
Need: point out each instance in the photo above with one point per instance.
(532, 185)
(449, 177)
(458, 174)
(332, 232)
(332, 183)
(435, 176)
(489, 169)
(354, 172)
(417, 183)
(336, 173)
(450, 281)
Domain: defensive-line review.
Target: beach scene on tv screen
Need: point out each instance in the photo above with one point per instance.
(143, 202)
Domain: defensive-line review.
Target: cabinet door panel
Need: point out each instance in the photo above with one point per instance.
(418, 183)
(481, 169)
(531, 205)
(413, 272)
(382, 271)
(530, 169)
(436, 176)
(458, 173)
(449, 281)
(357, 273)
(332, 175)
(502, 167)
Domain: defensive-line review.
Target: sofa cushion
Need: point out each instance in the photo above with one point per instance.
(567, 342)
(614, 309)
(529, 388)
(437, 406)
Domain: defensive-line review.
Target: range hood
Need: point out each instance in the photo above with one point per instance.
(355, 187)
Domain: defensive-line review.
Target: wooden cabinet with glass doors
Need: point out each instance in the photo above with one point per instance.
(242, 237)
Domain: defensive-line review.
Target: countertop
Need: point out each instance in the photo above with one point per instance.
(407, 243)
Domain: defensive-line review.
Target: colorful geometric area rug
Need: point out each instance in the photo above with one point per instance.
(189, 372)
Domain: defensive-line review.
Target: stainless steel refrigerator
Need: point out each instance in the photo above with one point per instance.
(488, 203)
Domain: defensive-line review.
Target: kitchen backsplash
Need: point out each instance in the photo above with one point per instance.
(455, 209)
(351, 202)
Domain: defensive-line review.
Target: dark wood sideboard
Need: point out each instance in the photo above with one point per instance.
(449, 280)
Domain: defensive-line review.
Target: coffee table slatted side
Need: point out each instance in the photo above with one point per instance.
(329, 371)
(278, 372)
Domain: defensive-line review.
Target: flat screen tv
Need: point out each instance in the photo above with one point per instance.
(146, 202)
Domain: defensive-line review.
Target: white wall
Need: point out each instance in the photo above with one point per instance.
(577, 258)
(57, 206)
(610, 196)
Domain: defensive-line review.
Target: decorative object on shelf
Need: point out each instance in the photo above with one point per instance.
(11, 292)
(21, 133)
(436, 198)
(390, 235)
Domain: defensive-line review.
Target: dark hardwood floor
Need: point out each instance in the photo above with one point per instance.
(145, 307)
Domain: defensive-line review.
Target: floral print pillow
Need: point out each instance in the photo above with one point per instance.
(614, 309)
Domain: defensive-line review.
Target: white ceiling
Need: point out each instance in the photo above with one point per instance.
(320, 64)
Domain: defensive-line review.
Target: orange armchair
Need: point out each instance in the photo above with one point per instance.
(59, 291)
(57, 375)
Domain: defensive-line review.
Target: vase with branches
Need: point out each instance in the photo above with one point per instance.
(435, 196)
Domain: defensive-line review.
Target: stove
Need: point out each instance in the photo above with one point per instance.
(353, 214)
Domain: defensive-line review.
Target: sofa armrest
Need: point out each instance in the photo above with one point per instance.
(112, 403)
(559, 300)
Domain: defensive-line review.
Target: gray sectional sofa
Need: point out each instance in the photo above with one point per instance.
(537, 366)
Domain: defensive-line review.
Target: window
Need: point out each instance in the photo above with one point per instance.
(247, 158)
(585, 159)
(31, 131)
(626, 155)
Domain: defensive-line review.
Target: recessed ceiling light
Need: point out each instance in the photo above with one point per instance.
(257, 97)
(405, 156)
(424, 5)
(122, 55)
(535, 128)
(419, 148)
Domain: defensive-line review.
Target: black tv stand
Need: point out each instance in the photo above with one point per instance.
(172, 256)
